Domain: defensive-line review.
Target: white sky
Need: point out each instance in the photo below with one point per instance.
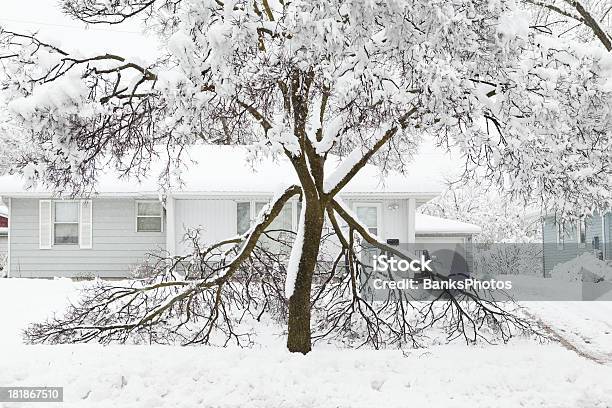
(46, 18)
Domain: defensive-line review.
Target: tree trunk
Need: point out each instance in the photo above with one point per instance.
(298, 339)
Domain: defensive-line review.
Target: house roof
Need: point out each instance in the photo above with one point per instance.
(3, 231)
(3, 211)
(428, 224)
(228, 169)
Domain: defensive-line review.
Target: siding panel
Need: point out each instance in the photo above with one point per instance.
(215, 218)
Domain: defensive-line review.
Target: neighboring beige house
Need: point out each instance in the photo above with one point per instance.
(112, 231)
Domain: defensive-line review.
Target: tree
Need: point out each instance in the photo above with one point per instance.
(501, 220)
(511, 237)
(305, 80)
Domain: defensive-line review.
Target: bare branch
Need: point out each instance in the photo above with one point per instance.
(590, 22)
(109, 312)
(95, 12)
(402, 122)
(554, 8)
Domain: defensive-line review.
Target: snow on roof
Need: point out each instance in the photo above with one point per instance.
(428, 224)
(3, 211)
(3, 231)
(228, 169)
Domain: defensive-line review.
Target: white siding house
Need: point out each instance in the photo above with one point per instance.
(112, 231)
(111, 247)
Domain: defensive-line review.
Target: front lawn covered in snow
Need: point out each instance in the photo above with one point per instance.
(522, 372)
(515, 375)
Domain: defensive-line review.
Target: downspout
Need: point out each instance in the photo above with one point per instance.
(543, 249)
(411, 222)
(603, 236)
(170, 226)
(8, 240)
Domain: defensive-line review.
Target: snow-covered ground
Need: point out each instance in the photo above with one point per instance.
(446, 376)
(587, 326)
(521, 373)
(23, 301)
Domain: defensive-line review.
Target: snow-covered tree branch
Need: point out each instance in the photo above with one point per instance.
(177, 289)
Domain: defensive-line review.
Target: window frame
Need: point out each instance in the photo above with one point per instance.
(378, 206)
(253, 212)
(54, 222)
(250, 215)
(160, 216)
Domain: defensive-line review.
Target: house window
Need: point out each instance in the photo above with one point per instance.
(148, 216)
(284, 220)
(369, 215)
(243, 217)
(582, 232)
(66, 223)
(247, 211)
(256, 209)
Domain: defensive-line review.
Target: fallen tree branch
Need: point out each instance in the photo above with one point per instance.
(109, 312)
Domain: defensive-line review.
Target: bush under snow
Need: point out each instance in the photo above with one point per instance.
(584, 268)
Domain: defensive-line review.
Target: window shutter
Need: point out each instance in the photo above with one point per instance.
(45, 226)
(85, 225)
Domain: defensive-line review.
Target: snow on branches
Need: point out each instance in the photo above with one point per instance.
(530, 106)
